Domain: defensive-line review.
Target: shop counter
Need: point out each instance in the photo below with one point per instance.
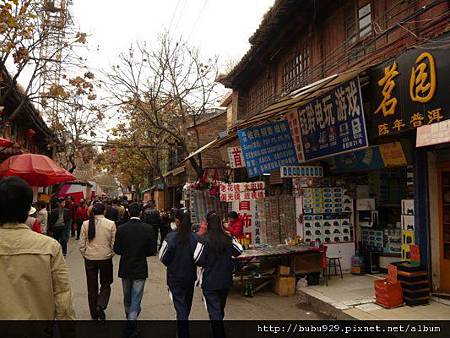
(258, 266)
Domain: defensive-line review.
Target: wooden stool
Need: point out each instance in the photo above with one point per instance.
(334, 262)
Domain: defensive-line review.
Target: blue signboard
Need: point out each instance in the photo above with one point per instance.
(334, 122)
(267, 148)
(365, 159)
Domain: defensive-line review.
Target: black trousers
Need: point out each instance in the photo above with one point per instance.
(181, 296)
(104, 268)
(79, 225)
(215, 301)
(61, 238)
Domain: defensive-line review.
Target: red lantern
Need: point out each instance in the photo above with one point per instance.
(30, 133)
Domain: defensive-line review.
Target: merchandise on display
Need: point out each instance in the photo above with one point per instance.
(327, 215)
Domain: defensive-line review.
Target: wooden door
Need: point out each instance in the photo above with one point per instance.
(444, 202)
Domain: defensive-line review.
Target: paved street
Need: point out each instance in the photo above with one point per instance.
(156, 303)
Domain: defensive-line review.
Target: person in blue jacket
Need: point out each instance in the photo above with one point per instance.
(177, 254)
(214, 253)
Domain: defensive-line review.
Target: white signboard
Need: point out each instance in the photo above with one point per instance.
(230, 192)
(236, 158)
(436, 133)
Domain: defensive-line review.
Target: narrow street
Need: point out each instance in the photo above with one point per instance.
(156, 304)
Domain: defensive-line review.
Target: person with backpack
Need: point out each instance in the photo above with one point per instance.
(152, 217)
(214, 253)
(176, 254)
(59, 223)
(96, 245)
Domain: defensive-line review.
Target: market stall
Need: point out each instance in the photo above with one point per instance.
(258, 267)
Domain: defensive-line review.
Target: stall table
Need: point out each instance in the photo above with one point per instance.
(303, 259)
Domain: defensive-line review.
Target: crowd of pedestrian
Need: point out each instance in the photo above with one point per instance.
(37, 283)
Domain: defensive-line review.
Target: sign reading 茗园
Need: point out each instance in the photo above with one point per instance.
(410, 91)
(334, 122)
(267, 147)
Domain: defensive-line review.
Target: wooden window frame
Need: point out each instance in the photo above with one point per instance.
(295, 71)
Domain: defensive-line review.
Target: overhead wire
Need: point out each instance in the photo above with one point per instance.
(173, 14)
(205, 2)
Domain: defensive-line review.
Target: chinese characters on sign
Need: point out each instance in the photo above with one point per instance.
(301, 171)
(236, 158)
(267, 148)
(294, 125)
(230, 192)
(406, 94)
(334, 122)
(248, 213)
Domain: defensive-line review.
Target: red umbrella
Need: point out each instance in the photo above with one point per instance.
(37, 170)
(5, 142)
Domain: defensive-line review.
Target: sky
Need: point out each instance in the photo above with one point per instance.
(219, 27)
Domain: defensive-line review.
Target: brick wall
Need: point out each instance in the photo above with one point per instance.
(208, 131)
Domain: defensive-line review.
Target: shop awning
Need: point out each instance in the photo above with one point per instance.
(174, 172)
(201, 149)
(300, 97)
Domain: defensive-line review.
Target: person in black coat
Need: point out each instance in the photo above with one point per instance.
(214, 253)
(59, 223)
(112, 213)
(134, 243)
(176, 253)
(151, 216)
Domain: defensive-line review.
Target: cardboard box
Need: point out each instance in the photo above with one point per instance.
(284, 285)
(284, 270)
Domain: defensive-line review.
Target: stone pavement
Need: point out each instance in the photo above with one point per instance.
(354, 298)
(157, 305)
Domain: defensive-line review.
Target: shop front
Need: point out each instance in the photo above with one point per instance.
(410, 100)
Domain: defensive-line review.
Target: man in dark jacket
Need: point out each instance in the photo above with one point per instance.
(134, 243)
(151, 216)
(112, 213)
(59, 223)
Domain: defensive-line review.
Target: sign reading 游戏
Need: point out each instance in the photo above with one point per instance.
(334, 122)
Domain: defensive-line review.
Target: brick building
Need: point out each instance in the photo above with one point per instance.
(304, 50)
(178, 171)
(300, 42)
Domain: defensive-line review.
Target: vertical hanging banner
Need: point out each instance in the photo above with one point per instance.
(248, 213)
(294, 125)
(334, 122)
(236, 158)
(267, 147)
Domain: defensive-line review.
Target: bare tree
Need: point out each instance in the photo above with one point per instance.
(168, 85)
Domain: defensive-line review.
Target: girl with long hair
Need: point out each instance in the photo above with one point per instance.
(214, 253)
(96, 245)
(176, 253)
